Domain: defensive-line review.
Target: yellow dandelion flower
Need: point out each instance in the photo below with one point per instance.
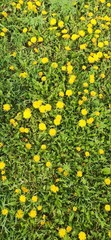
(91, 59)
(44, 60)
(12, 121)
(54, 188)
(97, 113)
(22, 129)
(27, 113)
(2, 165)
(61, 24)
(60, 105)
(74, 37)
(19, 214)
(42, 222)
(60, 170)
(107, 181)
(107, 208)
(11, 68)
(18, 6)
(61, 94)
(109, 233)
(14, 54)
(42, 126)
(36, 50)
(72, 79)
(28, 146)
(52, 21)
(78, 149)
(67, 48)
(82, 235)
(100, 95)
(26, 130)
(68, 229)
(17, 190)
(57, 121)
(43, 146)
(82, 18)
(69, 93)
(6, 107)
(91, 78)
(93, 93)
(69, 69)
(99, 54)
(24, 30)
(44, 12)
(4, 211)
(84, 98)
(64, 68)
(81, 33)
(93, 21)
(4, 178)
(39, 208)
(34, 62)
(5, 14)
(52, 132)
(40, 39)
(108, 4)
(83, 46)
(87, 154)
(54, 65)
(102, 75)
(48, 164)
(33, 213)
(82, 123)
(65, 173)
(34, 199)
(3, 172)
(24, 189)
(86, 91)
(4, 29)
(2, 34)
(66, 36)
(38, 3)
(74, 209)
(48, 107)
(36, 158)
(43, 78)
(29, 43)
(62, 232)
(84, 67)
(1, 144)
(64, 30)
(86, 6)
(22, 199)
(23, 75)
(90, 30)
(37, 104)
(101, 151)
(90, 14)
(100, 44)
(79, 174)
(59, 117)
(84, 112)
(90, 120)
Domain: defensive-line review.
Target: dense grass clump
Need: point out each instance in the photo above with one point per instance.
(55, 90)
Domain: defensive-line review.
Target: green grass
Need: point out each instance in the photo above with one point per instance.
(90, 192)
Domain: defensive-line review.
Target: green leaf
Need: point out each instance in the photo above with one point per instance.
(106, 171)
(71, 217)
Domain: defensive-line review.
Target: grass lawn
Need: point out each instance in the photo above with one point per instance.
(55, 134)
